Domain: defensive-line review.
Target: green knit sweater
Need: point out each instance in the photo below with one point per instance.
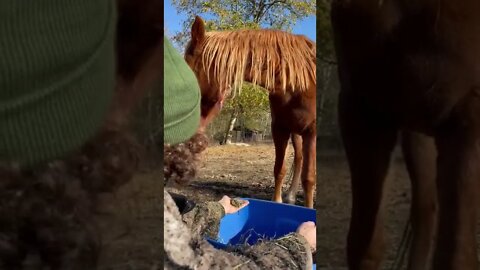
(181, 97)
(56, 75)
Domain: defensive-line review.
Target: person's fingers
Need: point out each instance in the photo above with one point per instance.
(301, 227)
(225, 201)
(309, 224)
(237, 204)
(232, 205)
(308, 230)
(244, 202)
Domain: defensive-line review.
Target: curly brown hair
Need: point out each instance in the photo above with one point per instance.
(49, 210)
(180, 160)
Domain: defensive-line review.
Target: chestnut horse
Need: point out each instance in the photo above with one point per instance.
(412, 67)
(283, 64)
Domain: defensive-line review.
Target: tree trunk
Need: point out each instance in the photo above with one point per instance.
(228, 134)
(321, 105)
(327, 71)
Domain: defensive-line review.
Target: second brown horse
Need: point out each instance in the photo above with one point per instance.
(412, 67)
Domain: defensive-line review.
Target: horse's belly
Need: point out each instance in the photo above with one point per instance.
(418, 90)
(294, 114)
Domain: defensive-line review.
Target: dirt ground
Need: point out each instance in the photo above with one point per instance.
(237, 171)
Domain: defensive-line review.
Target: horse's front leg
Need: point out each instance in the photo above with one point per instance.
(291, 195)
(280, 140)
(368, 142)
(420, 158)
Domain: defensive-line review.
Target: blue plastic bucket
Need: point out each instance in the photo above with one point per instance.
(259, 220)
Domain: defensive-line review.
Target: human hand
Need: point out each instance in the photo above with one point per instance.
(309, 231)
(232, 205)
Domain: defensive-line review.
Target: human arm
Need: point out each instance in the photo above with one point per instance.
(204, 219)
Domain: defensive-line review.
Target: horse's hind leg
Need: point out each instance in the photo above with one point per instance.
(420, 158)
(457, 183)
(369, 143)
(280, 139)
(291, 195)
(458, 174)
(309, 141)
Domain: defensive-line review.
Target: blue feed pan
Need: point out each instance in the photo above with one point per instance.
(270, 220)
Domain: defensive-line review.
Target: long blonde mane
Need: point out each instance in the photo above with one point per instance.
(274, 58)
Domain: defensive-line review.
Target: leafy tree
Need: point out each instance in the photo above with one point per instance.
(236, 14)
(249, 109)
(324, 32)
(251, 105)
(251, 102)
(328, 78)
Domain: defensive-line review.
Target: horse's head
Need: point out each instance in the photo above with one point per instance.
(212, 94)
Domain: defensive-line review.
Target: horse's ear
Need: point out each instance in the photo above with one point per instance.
(198, 30)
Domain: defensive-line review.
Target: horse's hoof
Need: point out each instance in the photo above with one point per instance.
(277, 200)
(290, 199)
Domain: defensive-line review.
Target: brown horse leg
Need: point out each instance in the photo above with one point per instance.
(280, 140)
(291, 195)
(458, 175)
(309, 144)
(368, 146)
(420, 158)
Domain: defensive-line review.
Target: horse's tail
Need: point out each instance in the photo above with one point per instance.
(290, 172)
(404, 247)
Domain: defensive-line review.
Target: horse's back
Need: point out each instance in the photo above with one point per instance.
(408, 58)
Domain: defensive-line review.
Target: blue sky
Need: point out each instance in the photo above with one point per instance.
(173, 22)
